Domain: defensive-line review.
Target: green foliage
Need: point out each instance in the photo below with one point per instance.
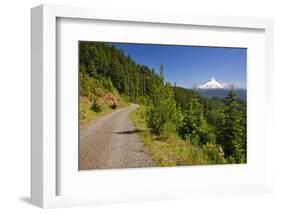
(87, 85)
(213, 154)
(231, 134)
(162, 108)
(170, 150)
(168, 130)
(213, 109)
(115, 70)
(107, 83)
(183, 96)
(83, 89)
(193, 120)
(195, 127)
(95, 106)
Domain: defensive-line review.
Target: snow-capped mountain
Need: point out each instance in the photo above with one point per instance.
(214, 88)
(213, 84)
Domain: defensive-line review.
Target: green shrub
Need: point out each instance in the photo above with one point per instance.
(113, 105)
(95, 106)
(162, 109)
(213, 154)
(194, 139)
(168, 130)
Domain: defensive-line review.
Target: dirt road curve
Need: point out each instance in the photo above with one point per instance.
(111, 141)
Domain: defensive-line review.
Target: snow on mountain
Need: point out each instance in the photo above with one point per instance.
(213, 84)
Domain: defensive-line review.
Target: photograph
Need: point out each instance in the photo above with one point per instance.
(161, 105)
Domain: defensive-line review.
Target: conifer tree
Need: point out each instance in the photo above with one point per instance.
(231, 131)
(162, 107)
(195, 127)
(92, 69)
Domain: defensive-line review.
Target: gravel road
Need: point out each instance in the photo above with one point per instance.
(111, 142)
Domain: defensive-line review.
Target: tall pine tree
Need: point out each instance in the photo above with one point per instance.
(195, 127)
(231, 131)
(162, 110)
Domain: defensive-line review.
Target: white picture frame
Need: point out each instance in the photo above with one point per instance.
(44, 150)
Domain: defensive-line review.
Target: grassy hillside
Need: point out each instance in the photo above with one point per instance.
(97, 97)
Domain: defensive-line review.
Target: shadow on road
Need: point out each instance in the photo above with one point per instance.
(129, 132)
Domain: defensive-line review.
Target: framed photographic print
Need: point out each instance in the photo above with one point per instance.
(132, 106)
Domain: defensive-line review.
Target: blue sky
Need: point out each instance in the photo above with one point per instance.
(187, 65)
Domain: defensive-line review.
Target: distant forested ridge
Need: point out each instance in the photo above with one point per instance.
(215, 127)
(222, 93)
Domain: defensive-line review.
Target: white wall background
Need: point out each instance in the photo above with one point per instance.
(15, 105)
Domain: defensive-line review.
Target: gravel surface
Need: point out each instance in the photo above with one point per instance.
(111, 142)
